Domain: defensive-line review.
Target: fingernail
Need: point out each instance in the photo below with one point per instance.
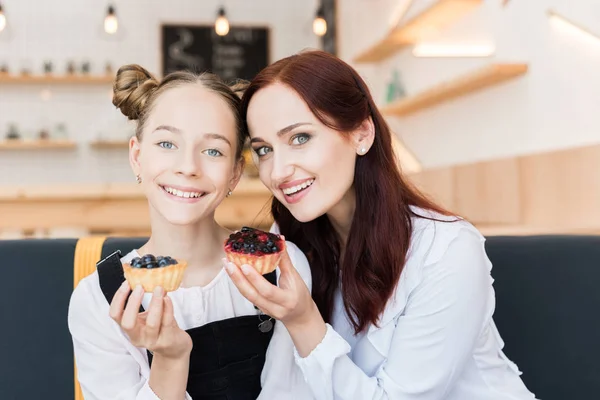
(158, 291)
(246, 269)
(124, 286)
(229, 267)
(139, 290)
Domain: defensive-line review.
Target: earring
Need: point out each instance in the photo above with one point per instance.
(362, 150)
(138, 179)
(228, 193)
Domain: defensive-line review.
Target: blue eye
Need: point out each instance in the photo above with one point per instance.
(300, 138)
(213, 153)
(166, 145)
(262, 151)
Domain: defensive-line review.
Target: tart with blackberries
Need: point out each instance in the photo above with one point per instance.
(259, 249)
(150, 272)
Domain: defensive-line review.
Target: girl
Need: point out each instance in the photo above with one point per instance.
(403, 298)
(202, 340)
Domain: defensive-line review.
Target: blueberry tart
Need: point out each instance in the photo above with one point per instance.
(262, 250)
(150, 271)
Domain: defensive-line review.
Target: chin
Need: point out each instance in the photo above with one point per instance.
(302, 214)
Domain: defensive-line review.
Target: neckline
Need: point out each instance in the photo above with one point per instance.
(207, 287)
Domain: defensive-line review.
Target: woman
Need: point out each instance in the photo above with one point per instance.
(202, 340)
(403, 298)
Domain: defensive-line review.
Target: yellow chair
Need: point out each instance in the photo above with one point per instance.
(88, 252)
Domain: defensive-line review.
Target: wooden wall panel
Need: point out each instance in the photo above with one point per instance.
(488, 192)
(562, 189)
(438, 184)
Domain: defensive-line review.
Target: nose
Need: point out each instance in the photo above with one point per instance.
(283, 168)
(188, 164)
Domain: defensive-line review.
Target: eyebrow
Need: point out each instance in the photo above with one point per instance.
(282, 131)
(206, 135)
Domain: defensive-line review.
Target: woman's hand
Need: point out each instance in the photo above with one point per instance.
(290, 302)
(154, 329)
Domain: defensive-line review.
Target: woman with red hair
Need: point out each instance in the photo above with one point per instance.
(402, 297)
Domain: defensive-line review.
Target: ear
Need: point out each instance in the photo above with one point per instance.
(238, 170)
(134, 155)
(364, 136)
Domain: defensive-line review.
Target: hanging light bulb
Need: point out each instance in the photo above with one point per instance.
(111, 24)
(319, 24)
(221, 24)
(2, 19)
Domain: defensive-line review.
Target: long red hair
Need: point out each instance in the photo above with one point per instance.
(380, 234)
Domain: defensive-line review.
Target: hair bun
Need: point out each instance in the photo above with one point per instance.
(239, 87)
(132, 88)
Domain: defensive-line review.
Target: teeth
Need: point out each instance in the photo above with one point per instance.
(298, 188)
(179, 193)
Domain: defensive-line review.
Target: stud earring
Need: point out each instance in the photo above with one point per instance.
(138, 179)
(362, 150)
(228, 193)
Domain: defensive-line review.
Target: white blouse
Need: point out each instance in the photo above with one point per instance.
(110, 368)
(436, 338)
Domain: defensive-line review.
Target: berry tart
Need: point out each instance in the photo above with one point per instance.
(150, 271)
(260, 249)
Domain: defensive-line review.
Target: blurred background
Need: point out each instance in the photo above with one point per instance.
(494, 103)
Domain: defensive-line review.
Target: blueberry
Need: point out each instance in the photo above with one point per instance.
(152, 265)
(163, 262)
(274, 249)
(148, 258)
(246, 229)
(236, 246)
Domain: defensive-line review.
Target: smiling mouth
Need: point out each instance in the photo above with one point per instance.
(298, 188)
(181, 193)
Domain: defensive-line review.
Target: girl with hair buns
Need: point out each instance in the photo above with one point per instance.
(403, 297)
(201, 340)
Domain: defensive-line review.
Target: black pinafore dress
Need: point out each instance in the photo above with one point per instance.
(228, 355)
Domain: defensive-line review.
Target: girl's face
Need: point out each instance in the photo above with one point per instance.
(186, 158)
(308, 166)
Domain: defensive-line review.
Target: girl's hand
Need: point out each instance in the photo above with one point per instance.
(154, 329)
(290, 302)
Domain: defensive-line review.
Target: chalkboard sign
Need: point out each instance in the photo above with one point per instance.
(329, 40)
(240, 54)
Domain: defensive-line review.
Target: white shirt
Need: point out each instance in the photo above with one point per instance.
(436, 338)
(110, 368)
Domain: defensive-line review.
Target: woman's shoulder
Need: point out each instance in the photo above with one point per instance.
(433, 232)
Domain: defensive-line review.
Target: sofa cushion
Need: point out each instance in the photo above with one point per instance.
(547, 303)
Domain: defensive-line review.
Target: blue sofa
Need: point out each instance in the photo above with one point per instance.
(547, 313)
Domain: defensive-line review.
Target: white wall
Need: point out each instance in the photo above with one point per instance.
(554, 106)
(72, 30)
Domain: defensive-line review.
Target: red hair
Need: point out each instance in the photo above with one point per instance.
(381, 229)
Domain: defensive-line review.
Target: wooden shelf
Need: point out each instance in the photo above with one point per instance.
(110, 144)
(19, 144)
(55, 79)
(440, 15)
(477, 80)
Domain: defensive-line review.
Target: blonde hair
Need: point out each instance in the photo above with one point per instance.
(135, 90)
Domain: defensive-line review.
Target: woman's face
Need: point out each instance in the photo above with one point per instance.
(186, 158)
(308, 166)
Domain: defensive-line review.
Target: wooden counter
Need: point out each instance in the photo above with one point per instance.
(115, 208)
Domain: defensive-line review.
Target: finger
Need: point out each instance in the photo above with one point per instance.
(244, 286)
(285, 264)
(155, 311)
(263, 286)
(117, 305)
(168, 315)
(131, 312)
